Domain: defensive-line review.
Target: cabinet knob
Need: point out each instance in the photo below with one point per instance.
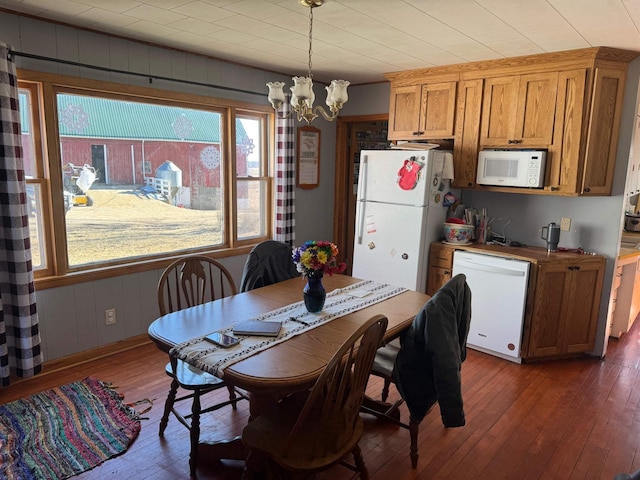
(418, 133)
(469, 184)
(514, 142)
(553, 189)
(587, 189)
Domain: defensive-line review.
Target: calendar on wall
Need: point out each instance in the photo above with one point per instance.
(308, 164)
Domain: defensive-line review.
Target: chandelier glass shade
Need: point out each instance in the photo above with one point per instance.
(302, 95)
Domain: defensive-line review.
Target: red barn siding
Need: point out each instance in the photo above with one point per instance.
(120, 171)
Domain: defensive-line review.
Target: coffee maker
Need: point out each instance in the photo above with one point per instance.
(551, 233)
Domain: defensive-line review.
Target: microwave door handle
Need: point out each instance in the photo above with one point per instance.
(362, 190)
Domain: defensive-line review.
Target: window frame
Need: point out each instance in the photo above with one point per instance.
(264, 168)
(49, 85)
(41, 177)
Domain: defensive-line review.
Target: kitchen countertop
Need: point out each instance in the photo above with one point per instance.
(530, 254)
(628, 240)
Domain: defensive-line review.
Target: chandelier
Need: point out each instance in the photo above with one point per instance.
(302, 96)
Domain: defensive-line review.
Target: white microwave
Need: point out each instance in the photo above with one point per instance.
(512, 168)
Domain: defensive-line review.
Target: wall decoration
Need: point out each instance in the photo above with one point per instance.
(308, 171)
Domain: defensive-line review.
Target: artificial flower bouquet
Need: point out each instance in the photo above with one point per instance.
(314, 259)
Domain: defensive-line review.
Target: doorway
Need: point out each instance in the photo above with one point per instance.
(353, 134)
(98, 162)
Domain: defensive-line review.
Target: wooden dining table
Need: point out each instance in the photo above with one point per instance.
(287, 367)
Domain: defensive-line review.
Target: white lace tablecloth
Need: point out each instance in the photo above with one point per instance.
(295, 320)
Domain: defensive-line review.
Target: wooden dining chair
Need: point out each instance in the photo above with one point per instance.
(424, 363)
(268, 262)
(304, 437)
(186, 282)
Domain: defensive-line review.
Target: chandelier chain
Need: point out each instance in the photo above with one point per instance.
(302, 95)
(310, 36)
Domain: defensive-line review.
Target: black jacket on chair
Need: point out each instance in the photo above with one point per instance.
(427, 368)
(268, 262)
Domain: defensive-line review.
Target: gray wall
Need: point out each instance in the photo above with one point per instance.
(72, 317)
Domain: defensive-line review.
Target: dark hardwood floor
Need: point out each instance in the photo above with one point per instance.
(576, 419)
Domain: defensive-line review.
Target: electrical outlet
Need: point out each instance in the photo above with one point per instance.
(110, 316)
(565, 224)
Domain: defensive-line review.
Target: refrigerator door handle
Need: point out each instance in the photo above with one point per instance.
(362, 189)
(362, 179)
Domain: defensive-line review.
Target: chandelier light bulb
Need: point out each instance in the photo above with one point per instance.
(276, 95)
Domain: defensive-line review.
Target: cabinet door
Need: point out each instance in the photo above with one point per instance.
(602, 137)
(404, 112)
(440, 266)
(635, 299)
(465, 147)
(565, 311)
(583, 303)
(438, 110)
(519, 111)
(563, 161)
(547, 325)
(499, 110)
(437, 277)
(536, 109)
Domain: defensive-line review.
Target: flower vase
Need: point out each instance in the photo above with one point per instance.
(314, 294)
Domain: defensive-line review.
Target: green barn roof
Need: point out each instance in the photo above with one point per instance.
(93, 117)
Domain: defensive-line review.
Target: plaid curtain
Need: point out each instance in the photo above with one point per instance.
(285, 177)
(19, 336)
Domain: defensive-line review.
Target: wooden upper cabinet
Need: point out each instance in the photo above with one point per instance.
(583, 154)
(424, 111)
(465, 148)
(567, 103)
(404, 112)
(564, 165)
(518, 111)
(602, 135)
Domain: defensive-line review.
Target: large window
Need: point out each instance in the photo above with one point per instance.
(137, 177)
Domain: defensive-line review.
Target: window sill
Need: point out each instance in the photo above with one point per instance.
(102, 272)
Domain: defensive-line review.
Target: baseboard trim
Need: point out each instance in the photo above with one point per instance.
(87, 356)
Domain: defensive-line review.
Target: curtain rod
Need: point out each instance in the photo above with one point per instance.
(136, 74)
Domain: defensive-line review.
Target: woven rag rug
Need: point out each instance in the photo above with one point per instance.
(64, 431)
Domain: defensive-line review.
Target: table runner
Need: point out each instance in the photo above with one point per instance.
(295, 320)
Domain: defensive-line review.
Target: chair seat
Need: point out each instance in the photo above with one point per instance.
(269, 433)
(385, 358)
(192, 378)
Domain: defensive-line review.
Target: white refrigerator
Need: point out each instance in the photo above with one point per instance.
(399, 212)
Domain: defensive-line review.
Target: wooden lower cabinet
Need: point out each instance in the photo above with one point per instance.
(625, 293)
(565, 308)
(440, 266)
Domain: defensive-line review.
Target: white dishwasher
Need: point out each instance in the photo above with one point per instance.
(498, 298)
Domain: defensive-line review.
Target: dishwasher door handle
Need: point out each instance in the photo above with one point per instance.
(489, 268)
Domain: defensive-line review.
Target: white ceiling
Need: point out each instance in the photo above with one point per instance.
(355, 40)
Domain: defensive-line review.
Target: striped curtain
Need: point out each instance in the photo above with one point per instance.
(19, 336)
(285, 177)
